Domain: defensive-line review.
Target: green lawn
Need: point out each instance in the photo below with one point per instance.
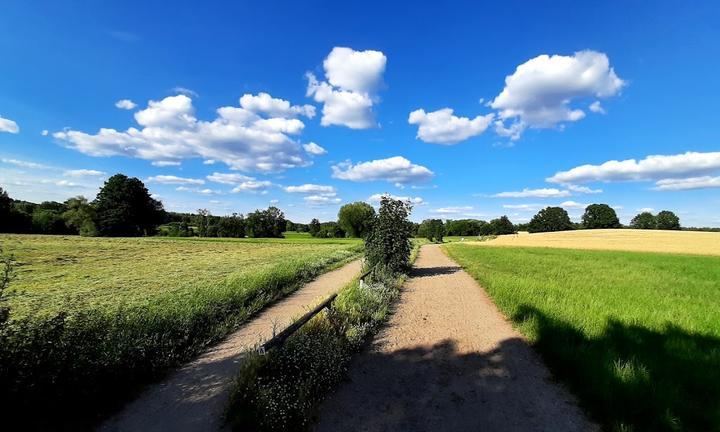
(93, 319)
(635, 335)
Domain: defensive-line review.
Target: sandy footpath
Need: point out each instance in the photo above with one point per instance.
(193, 398)
(449, 360)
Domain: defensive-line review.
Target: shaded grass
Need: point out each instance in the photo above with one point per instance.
(111, 319)
(635, 335)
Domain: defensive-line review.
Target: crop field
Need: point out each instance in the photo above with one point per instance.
(679, 242)
(92, 319)
(636, 336)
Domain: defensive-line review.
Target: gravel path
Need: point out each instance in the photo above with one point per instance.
(193, 398)
(449, 360)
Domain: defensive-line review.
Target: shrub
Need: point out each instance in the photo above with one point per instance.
(644, 220)
(667, 220)
(600, 216)
(356, 218)
(388, 243)
(550, 219)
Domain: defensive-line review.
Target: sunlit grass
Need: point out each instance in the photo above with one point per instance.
(635, 335)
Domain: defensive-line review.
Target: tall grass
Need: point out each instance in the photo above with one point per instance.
(76, 360)
(635, 335)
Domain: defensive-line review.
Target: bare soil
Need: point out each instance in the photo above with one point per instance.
(449, 360)
(193, 398)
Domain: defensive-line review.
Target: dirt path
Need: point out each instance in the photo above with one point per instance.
(448, 360)
(193, 398)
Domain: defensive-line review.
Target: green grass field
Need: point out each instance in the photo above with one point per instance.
(92, 319)
(635, 335)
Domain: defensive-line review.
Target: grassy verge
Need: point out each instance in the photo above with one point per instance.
(283, 389)
(75, 358)
(635, 335)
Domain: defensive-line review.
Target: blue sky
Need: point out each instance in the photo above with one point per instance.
(544, 98)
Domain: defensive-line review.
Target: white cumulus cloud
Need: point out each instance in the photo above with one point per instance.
(349, 92)
(7, 125)
(314, 149)
(310, 188)
(443, 127)
(534, 193)
(163, 163)
(228, 178)
(169, 130)
(396, 169)
(125, 104)
(254, 186)
(703, 182)
(174, 180)
(541, 91)
(274, 107)
(84, 173)
(375, 199)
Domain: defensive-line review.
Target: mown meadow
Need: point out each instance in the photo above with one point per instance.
(93, 319)
(636, 336)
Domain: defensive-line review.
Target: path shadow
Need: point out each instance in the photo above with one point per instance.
(634, 378)
(416, 272)
(438, 388)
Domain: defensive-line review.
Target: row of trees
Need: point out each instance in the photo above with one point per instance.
(598, 216)
(435, 229)
(665, 220)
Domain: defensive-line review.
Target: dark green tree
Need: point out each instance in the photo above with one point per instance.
(355, 218)
(600, 216)
(388, 243)
(667, 220)
(550, 219)
(265, 223)
(124, 207)
(79, 216)
(644, 220)
(432, 229)
(502, 226)
(231, 226)
(314, 227)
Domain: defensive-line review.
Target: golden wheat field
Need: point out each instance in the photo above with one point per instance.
(680, 242)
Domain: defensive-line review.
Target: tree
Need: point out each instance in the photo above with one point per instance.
(501, 226)
(290, 226)
(355, 218)
(432, 229)
(667, 220)
(388, 242)
(79, 216)
(124, 207)
(644, 220)
(202, 221)
(463, 227)
(550, 219)
(231, 226)
(600, 216)
(314, 227)
(6, 205)
(265, 223)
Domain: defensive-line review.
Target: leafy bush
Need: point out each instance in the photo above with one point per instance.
(356, 218)
(667, 220)
(600, 216)
(550, 219)
(644, 220)
(388, 243)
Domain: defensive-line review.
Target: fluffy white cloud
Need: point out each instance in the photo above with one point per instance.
(655, 167)
(314, 149)
(322, 199)
(228, 178)
(125, 104)
(348, 95)
(24, 164)
(162, 163)
(596, 107)
(534, 193)
(197, 190)
(523, 207)
(241, 138)
(443, 127)
(7, 125)
(254, 186)
(375, 199)
(84, 173)
(704, 182)
(582, 189)
(310, 188)
(394, 170)
(573, 205)
(174, 180)
(452, 210)
(274, 107)
(539, 94)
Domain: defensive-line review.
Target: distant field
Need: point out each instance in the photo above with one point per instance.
(681, 242)
(55, 270)
(635, 335)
